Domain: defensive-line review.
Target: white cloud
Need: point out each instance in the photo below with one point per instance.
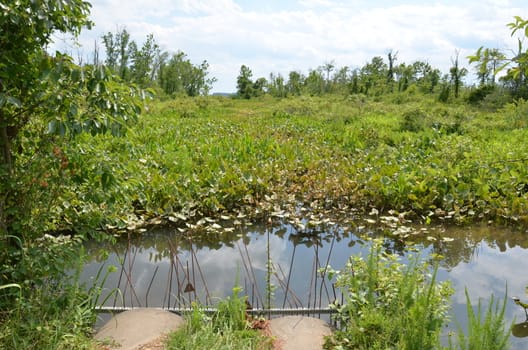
(304, 34)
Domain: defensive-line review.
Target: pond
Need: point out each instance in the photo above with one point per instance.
(170, 268)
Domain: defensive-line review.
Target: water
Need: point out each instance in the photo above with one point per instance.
(165, 268)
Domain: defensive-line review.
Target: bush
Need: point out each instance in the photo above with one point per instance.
(389, 305)
(478, 94)
(413, 120)
(48, 309)
(517, 114)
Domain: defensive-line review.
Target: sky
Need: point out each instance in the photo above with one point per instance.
(279, 36)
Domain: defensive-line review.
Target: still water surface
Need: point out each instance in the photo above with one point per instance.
(165, 268)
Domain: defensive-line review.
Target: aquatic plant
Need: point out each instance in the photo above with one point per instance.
(389, 304)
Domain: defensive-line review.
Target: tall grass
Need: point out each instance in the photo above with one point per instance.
(389, 304)
(227, 329)
(484, 331)
(49, 308)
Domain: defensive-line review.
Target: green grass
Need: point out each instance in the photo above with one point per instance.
(226, 329)
(484, 330)
(55, 316)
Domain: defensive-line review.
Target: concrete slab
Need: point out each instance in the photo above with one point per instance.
(131, 329)
(299, 332)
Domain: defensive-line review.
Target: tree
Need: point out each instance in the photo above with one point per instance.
(492, 61)
(118, 51)
(373, 76)
(341, 79)
(244, 83)
(315, 82)
(144, 67)
(259, 87)
(354, 82)
(180, 76)
(489, 62)
(427, 77)
(38, 89)
(520, 69)
(277, 86)
(295, 83)
(328, 67)
(457, 74)
(392, 57)
(405, 75)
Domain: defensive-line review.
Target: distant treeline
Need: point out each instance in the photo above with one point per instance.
(385, 76)
(174, 74)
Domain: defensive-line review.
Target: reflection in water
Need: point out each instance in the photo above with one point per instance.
(520, 330)
(167, 268)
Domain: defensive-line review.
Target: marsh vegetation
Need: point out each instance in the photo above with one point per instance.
(87, 154)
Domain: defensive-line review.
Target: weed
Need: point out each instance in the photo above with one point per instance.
(485, 331)
(227, 329)
(389, 304)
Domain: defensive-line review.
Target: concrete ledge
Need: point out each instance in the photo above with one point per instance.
(299, 332)
(131, 329)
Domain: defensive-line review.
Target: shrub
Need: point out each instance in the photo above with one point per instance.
(413, 120)
(389, 305)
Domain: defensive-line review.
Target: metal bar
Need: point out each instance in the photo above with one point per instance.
(273, 311)
(150, 285)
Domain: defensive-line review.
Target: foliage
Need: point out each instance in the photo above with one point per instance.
(228, 328)
(38, 90)
(212, 156)
(45, 102)
(489, 63)
(49, 310)
(484, 331)
(492, 61)
(389, 304)
(179, 76)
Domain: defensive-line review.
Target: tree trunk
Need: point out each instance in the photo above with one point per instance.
(6, 171)
(5, 143)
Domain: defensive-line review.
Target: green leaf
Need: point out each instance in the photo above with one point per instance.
(14, 101)
(52, 127)
(106, 180)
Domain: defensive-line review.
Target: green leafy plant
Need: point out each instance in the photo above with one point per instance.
(50, 310)
(389, 304)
